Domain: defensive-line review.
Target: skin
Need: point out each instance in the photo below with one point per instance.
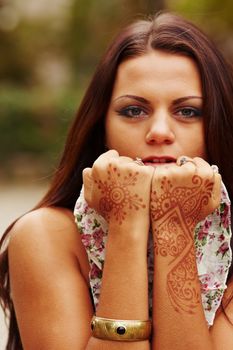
(161, 126)
(45, 244)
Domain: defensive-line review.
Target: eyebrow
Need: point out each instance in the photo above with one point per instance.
(143, 100)
(185, 98)
(137, 98)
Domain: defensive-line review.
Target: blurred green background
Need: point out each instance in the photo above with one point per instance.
(48, 51)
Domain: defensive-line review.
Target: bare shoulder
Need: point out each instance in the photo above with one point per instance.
(44, 225)
(49, 280)
(48, 232)
(51, 218)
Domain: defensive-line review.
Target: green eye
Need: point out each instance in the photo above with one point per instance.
(189, 112)
(132, 112)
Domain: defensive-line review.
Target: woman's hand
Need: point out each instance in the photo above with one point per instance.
(181, 197)
(118, 188)
(191, 190)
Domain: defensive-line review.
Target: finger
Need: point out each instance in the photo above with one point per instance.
(138, 161)
(88, 184)
(216, 193)
(200, 162)
(112, 153)
(205, 168)
(186, 162)
(124, 159)
(160, 172)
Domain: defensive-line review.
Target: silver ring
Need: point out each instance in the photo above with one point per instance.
(215, 169)
(138, 161)
(183, 160)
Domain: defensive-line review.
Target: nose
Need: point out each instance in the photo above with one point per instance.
(160, 129)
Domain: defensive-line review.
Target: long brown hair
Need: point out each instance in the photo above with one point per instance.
(86, 138)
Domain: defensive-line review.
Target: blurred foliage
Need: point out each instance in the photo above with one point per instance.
(33, 126)
(213, 16)
(93, 24)
(207, 10)
(36, 116)
(46, 62)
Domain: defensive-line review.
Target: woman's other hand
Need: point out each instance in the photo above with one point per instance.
(118, 188)
(191, 190)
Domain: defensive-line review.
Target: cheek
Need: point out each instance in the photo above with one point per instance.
(116, 141)
(193, 143)
(113, 136)
(202, 150)
(200, 142)
(120, 139)
(115, 132)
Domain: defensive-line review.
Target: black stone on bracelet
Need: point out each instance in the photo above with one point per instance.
(121, 330)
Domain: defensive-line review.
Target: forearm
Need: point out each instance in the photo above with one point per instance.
(124, 289)
(178, 317)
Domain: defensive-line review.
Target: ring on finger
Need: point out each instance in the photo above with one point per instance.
(215, 169)
(138, 161)
(183, 160)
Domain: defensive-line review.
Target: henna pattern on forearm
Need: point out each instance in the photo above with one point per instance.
(181, 284)
(117, 196)
(168, 240)
(174, 215)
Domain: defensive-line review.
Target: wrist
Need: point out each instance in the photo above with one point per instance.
(133, 230)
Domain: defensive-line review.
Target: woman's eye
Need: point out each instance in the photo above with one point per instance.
(132, 112)
(189, 112)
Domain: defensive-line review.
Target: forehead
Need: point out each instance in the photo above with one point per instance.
(158, 69)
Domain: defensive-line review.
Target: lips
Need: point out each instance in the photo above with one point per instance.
(159, 160)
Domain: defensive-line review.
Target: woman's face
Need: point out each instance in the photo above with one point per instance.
(155, 112)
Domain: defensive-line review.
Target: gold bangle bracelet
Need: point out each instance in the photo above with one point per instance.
(120, 330)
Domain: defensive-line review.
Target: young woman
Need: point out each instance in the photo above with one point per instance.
(154, 125)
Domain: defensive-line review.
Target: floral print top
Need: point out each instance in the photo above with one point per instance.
(212, 243)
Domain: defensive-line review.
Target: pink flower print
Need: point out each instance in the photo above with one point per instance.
(205, 282)
(204, 286)
(95, 272)
(98, 238)
(97, 286)
(225, 216)
(86, 240)
(87, 225)
(223, 249)
(202, 234)
(85, 209)
(199, 256)
(77, 205)
(217, 285)
(221, 270)
(207, 225)
(211, 236)
(100, 249)
(221, 238)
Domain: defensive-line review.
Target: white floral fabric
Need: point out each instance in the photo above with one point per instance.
(212, 242)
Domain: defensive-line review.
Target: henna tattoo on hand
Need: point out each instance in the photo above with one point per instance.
(190, 200)
(117, 196)
(174, 215)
